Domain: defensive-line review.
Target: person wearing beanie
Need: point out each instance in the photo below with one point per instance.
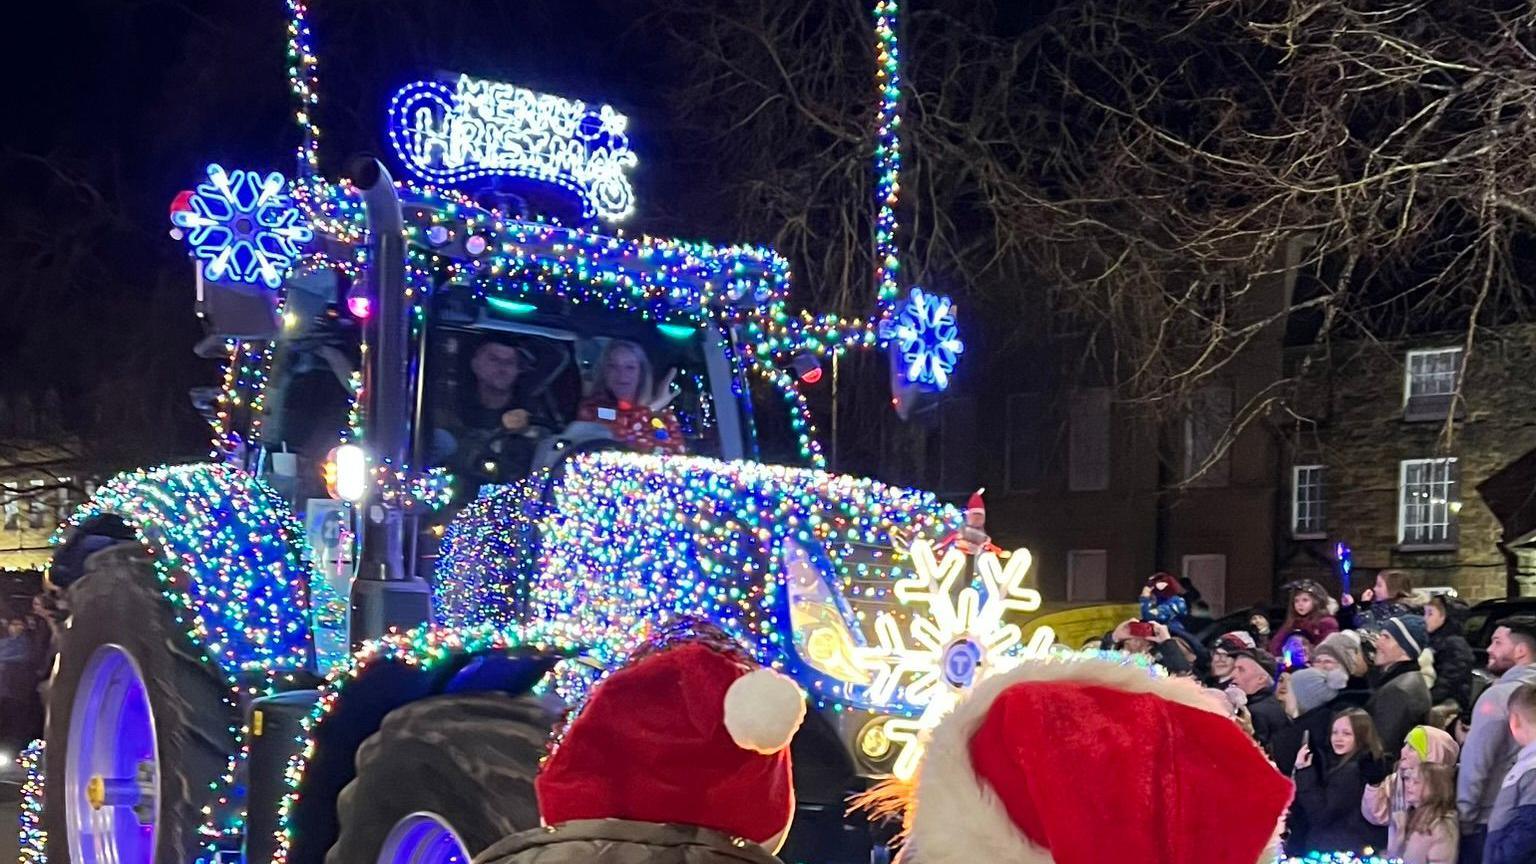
(1328, 791)
(681, 755)
(1310, 701)
(1254, 673)
(1343, 651)
(1401, 698)
(1159, 749)
(1162, 599)
(1306, 615)
(1386, 803)
(1224, 653)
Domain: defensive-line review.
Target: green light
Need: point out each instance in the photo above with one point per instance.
(510, 307)
(677, 331)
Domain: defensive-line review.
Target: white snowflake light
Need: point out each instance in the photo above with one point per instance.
(959, 639)
(925, 339)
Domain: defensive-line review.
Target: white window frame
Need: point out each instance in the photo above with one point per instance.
(1420, 354)
(1447, 536)
(11, 512)
(1316, 509)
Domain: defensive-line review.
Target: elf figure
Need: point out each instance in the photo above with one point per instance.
(972, 537)
(1162, 599)
(682, 755)
(1152, 753)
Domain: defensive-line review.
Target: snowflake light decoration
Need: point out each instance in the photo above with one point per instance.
(925, 339)
(242, 225)
(961, 640)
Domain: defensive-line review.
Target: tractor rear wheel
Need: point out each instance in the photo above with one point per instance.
(457, 766)
(139, 729)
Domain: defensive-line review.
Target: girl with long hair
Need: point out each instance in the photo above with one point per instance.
(1307, 614)
(626, 397)
(1328, 798)
(1430, 833)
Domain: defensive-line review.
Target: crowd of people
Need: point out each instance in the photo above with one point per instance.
(28, 644)
(1372, 706)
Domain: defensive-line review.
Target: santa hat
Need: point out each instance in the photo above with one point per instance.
(1089, 761)
(1164, 585)
(975, 504)
(686, 735)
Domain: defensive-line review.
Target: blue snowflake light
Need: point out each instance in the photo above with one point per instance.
(243, 226)
(925, 339)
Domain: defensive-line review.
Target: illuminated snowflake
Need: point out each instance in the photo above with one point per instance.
(926, 339)
(242, 225)
(959, 639)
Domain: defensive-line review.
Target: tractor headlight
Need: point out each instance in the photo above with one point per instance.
(349, 472)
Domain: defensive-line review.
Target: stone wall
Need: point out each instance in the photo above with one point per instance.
(1354, 396)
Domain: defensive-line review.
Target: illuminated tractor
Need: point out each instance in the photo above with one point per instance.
(342, 638)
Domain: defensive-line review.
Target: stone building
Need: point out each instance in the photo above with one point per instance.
(1390, 442)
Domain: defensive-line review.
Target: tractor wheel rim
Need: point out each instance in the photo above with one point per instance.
(423, 838)
(112, 783)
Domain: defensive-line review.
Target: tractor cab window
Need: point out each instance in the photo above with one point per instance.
(507, 398)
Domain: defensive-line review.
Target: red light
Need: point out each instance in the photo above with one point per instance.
(360, 305)
(812, 376)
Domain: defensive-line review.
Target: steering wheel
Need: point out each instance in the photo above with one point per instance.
(501, 444)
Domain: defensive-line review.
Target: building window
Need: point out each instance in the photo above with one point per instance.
(37, 507)
(61, 502)
(10, 493)
(1024, 454)
(958, 468)
(1208, 575)
(1088, 440)
(1087, 575)
(1430, 378)
(1205, 431)
(1427, 502)
(1307, 501)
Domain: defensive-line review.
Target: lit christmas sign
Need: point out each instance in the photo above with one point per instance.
(480, 128)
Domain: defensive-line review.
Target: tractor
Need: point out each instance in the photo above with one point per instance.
(467, 456)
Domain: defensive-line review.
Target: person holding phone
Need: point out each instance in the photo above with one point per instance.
(1329, 792)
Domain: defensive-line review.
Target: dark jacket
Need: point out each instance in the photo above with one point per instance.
(1313, 726)
(1268, 720)
(1354, 695)
(1453, 668)
(1374, 615)
(619, 841)
(1401, 702)
(1329, 801)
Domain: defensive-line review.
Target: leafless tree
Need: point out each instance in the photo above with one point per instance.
(1151, 168)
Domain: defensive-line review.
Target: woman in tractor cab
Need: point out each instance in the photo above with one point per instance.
(626, 398)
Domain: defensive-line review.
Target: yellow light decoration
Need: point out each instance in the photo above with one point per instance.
(963, 639)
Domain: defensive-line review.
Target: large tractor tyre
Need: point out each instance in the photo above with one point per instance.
(467, 758)
(139, 728)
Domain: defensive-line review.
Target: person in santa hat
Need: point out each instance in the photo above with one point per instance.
(1173, 778)
(680, 756)
(972, 537)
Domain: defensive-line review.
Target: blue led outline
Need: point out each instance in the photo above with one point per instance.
(244, 226)
(925, 337)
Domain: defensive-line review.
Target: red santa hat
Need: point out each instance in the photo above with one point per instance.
(976, 505)
(1091, 761)
(687, 735)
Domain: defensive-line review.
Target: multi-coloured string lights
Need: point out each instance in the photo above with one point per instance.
(32, 838)
(227, 555)
(424, 648)
(626, 539)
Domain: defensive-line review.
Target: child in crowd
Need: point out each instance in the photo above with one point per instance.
(1430, 832)
(1162, 599)
(1328, 798)
(1385, 803)
(1307, 615)
(1512, 823)
(1391, 597)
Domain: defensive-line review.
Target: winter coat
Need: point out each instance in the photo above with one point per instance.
(1354, 695)
(620, 841)
(1489, 751)
(1453, 668)
(1268, 720)
(1383, 803)
(1329, 802)
(1512, 822)
(1373, 616)
(1314, 726)
(1315, 630)
(1436, 847)
(1401, 702)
